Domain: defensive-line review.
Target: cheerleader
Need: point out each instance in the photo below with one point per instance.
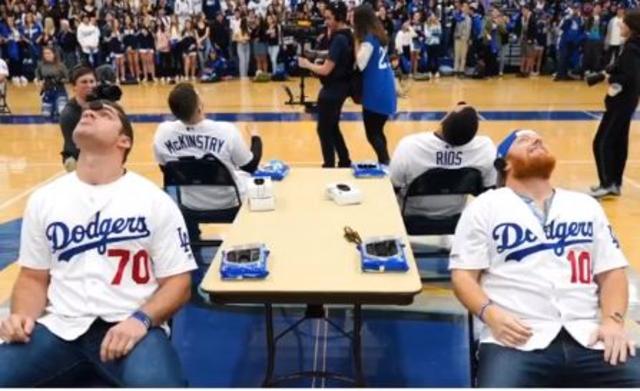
(130, 40)
(147, 44)
(189, 50)
(116, 47)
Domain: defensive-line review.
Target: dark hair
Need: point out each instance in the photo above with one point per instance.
(183, 101)
(460, 127)
(338, 10)
(79, 71)
(365, 21)
(632, 20)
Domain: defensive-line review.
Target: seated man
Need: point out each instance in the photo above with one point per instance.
(543, 271)
(193, 135)
(105, 262)
(455, 145)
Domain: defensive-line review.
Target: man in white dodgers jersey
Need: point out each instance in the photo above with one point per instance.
(542, 269)
(193, 135)
(455, 145)
(105, 262)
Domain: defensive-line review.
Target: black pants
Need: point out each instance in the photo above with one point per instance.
(433, 51)
(374, 127)
(611, 143)
(593, 53)
(331, 140)
(165, 65)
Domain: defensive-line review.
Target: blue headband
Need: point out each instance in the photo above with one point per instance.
(505, 145)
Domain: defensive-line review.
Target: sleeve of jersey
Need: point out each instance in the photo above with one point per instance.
(240, 153)
(170, 249)
(470, 249)
(607, 253)
(397, 166)
(158, 147)
(34, 247)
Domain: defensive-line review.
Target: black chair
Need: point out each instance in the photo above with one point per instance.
(207, 172)
(439, 181)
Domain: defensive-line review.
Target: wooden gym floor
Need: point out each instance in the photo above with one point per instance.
(566, 114)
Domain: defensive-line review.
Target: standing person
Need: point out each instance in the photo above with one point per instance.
(242, 40)
(147, 52)
(273, 40)
(69, 44)
(131, 45)
(335, 73)
(83, 81)
(613, 40)
(542, 270)
(461, 35)
(163, 48)
(379, 100)
(594, 44)
(89, 38)
(101, 271)
(433, 34)
(189, 46)
(53, 75)
(527, 28)
(611, 143)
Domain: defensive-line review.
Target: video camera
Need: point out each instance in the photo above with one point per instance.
(106, 88)
(52, 83)
(303, 30)
(598, 77)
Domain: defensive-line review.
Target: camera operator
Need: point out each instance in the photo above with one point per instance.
(83, 81)
(611, 143)
(335, 73)
(52, 74)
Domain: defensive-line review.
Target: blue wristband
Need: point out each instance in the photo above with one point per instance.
(142, 317)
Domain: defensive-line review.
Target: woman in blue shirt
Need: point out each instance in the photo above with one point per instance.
(378, 86)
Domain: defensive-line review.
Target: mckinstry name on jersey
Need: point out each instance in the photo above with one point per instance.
(95, 235)
(558, 235)
(199, 141)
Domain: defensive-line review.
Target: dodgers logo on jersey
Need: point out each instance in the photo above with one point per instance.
(523, 242)
(95, 235)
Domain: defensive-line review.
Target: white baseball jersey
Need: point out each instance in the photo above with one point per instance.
(174, 139)
(104, 246)
(542, 274)
(420, 152)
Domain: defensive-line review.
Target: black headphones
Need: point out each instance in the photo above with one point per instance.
(500, 164)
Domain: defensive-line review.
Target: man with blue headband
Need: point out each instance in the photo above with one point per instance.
(542, 270)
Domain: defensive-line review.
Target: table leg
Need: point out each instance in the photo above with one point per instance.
(271, 346)
(357, 345)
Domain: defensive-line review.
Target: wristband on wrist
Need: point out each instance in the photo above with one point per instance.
(617, 317)
(143, 318)
(483, 309)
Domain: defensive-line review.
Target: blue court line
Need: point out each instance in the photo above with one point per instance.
(530, 115)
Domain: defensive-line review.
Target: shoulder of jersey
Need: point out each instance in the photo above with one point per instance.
(63, 183)
(576, 196)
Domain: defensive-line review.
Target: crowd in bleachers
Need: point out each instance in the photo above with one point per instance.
(210, 40)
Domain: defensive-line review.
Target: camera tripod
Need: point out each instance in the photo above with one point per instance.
(309, 106)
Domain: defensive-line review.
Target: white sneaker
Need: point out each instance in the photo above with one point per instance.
(23, 80)
(437, 75)
(15, 80)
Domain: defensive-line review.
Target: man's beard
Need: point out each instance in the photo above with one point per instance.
(537, 166)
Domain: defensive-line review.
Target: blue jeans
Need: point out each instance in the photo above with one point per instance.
(47, 358)
(564, 363)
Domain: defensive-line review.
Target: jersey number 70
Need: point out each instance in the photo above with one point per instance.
(140, 270)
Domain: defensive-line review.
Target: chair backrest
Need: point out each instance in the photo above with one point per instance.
(207, 171)
(441, 181)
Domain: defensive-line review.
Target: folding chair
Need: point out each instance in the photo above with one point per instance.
(439, 181)
(206, 172)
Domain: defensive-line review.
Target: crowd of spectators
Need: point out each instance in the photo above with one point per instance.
(211, 40)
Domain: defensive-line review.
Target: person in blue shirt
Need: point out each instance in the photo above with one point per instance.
(572, 28)
(378, 87)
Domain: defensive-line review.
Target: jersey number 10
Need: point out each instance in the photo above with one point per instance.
(580, 267)
(140, 270)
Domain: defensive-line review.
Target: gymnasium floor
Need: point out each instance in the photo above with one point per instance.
(420, 345)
